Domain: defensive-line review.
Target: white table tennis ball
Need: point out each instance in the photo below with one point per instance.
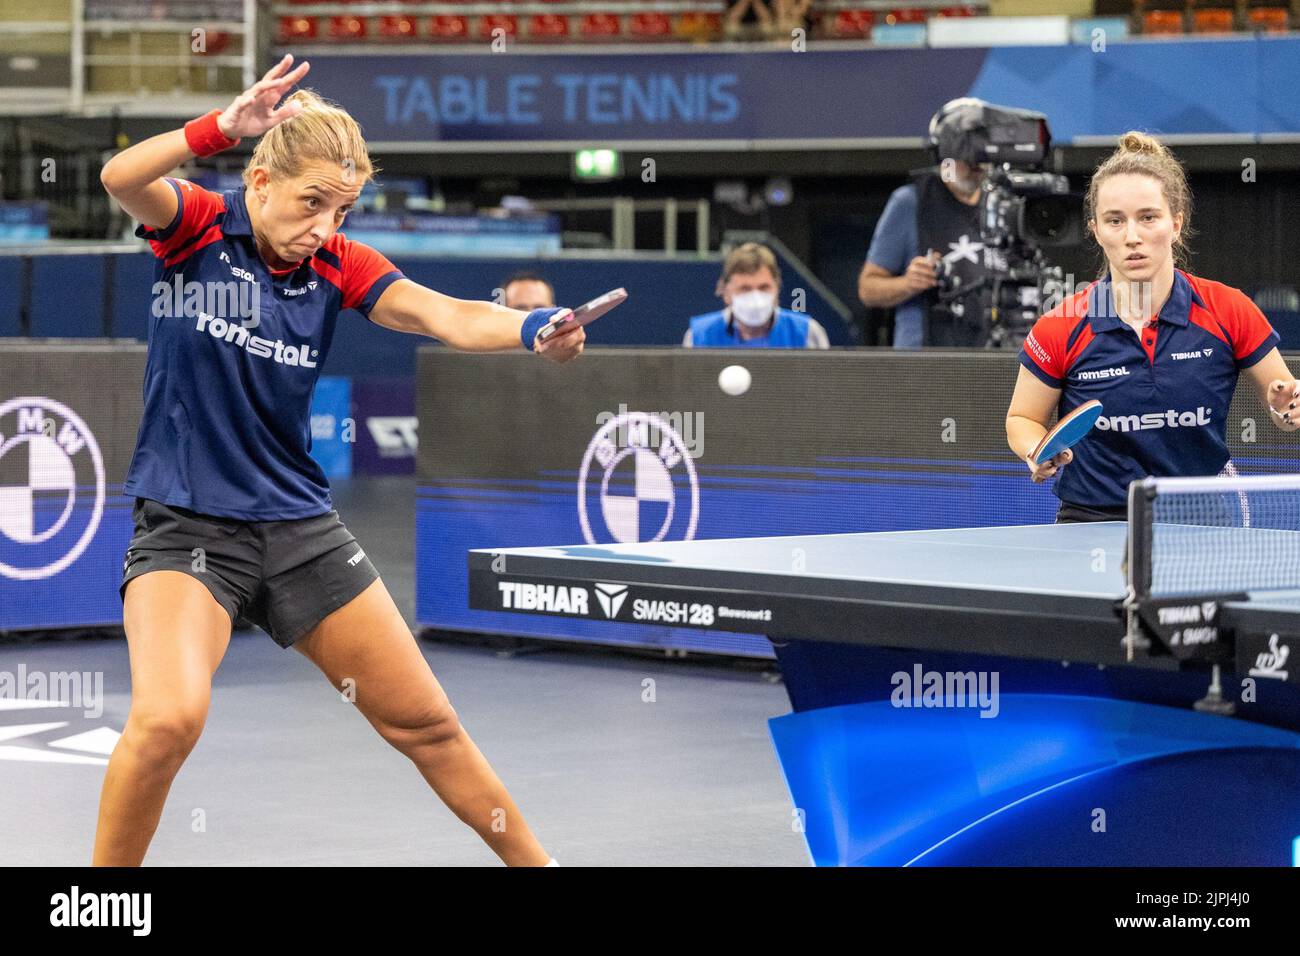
(734, 380)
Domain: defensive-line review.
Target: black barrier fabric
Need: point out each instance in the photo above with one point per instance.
(508, 416)
(68, 420)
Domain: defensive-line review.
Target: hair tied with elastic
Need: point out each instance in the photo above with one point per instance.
(322, 132)
(1137, 142)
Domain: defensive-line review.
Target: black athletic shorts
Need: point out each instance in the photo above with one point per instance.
(284, 576)
(1070, 513)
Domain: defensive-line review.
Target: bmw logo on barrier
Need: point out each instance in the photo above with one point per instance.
(637, 483)
(51, 487)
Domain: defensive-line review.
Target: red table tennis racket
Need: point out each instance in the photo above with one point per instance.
(583, 314)
(1068, 432)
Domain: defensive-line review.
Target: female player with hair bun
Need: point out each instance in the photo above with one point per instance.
(1160, 348)
(221, 460)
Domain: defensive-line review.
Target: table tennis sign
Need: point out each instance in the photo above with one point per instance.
(1068, 432)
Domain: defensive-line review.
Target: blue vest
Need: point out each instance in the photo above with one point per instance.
(789, 331)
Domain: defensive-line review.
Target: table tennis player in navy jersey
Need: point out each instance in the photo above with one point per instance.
(1160, 348)
(221, 469)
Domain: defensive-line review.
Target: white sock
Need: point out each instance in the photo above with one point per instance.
(554, 862)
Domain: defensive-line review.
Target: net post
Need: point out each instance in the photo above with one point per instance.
(1141, 498)
(1141, 510)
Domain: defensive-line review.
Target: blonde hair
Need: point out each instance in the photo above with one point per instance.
(747, 258)
(1144, 155)
(323, 132)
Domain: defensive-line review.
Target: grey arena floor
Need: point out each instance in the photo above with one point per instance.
(286, 773)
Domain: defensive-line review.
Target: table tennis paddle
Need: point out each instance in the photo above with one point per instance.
(1068, 432)
(583, 314)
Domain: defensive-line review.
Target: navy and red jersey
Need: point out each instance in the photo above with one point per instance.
(1165, 394)
(235, 349)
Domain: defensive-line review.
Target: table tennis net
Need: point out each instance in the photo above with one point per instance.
(1220, 535)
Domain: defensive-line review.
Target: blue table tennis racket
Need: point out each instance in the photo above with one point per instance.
(1068, 432)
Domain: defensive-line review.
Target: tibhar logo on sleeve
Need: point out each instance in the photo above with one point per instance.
(52, 487)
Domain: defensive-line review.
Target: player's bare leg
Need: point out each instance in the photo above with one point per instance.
(368, 643)
(177, 634)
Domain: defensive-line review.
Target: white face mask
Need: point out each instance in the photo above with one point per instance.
(753, 308)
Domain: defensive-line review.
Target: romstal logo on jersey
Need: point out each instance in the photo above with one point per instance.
(637, 483)
(51, 487)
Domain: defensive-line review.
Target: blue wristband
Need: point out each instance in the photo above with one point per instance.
(533, 324)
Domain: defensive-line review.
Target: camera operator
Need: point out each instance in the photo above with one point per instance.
(932, 220)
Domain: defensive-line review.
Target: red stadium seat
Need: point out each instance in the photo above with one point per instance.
(1268, 19)
(957, 12)
(1213, 21)
(506, 22)
(906, 15)
(852, 24)
(217, 42)
(548, 26)
(600, 26)
(397, 27)
(650, 26)
(448, 27)
(347, 28)
(697, 25)
(297, 28)
(1162, 21)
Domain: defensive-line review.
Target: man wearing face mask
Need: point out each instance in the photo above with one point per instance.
(934, 217)
(749, 286)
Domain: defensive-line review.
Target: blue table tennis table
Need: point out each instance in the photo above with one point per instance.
(979, 696)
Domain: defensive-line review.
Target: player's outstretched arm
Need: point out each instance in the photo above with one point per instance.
(469, 325)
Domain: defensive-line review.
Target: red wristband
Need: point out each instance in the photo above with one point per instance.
(204, 137)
